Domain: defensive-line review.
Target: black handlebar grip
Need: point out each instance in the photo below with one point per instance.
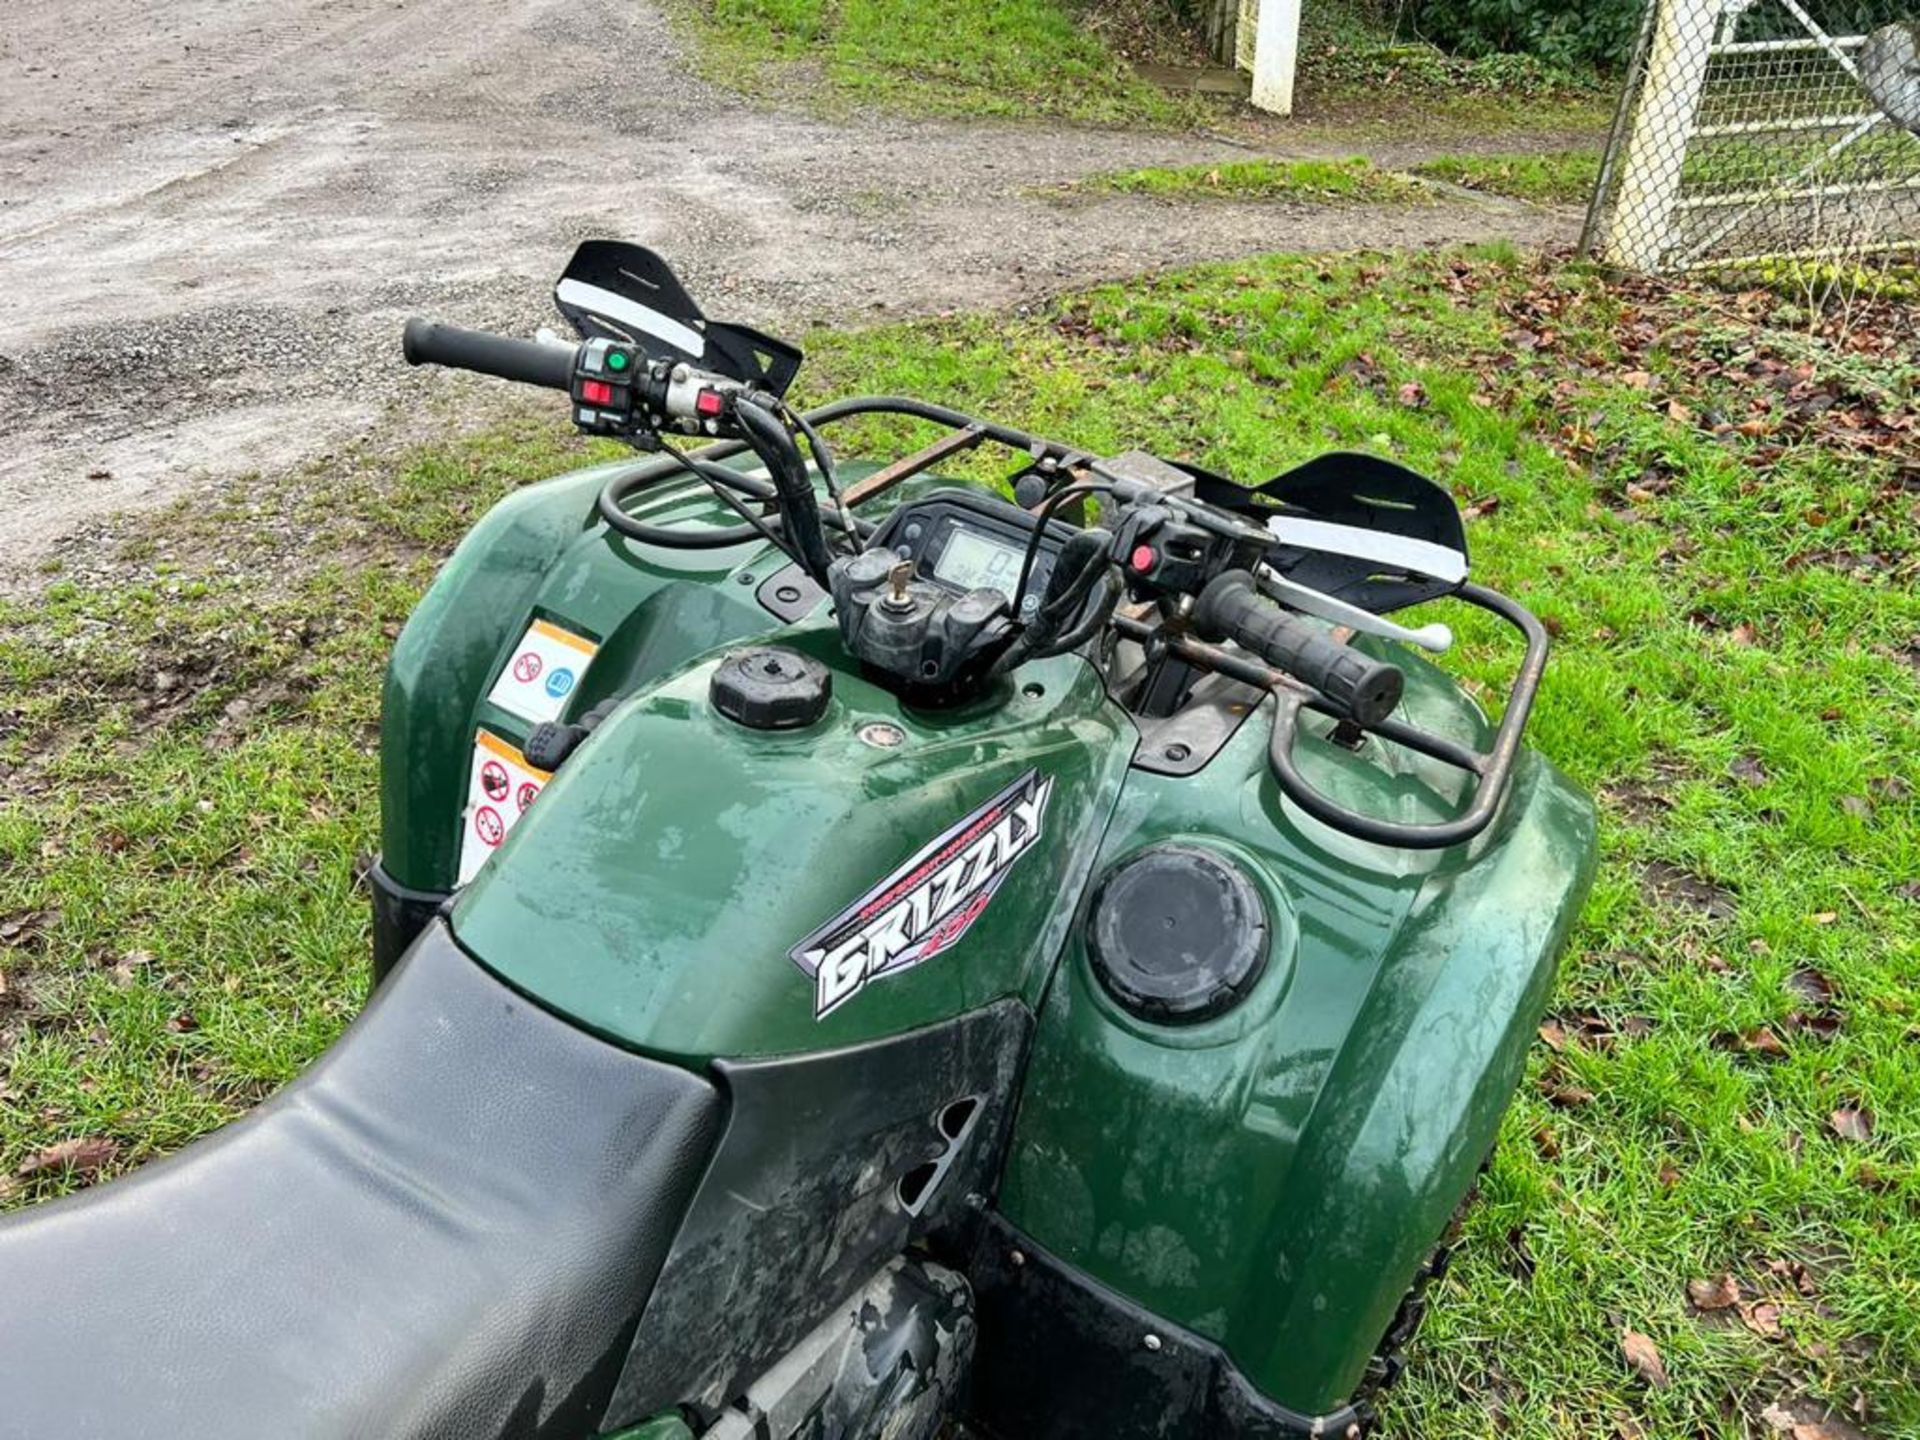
(527, 361)
(1230, 608)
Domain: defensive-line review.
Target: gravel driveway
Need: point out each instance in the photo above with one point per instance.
(215, 214)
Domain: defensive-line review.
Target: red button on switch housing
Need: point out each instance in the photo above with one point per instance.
(596, 392)
(707, 402)
(1142, 558)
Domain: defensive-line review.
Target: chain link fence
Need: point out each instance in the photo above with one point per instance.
(1766, 142)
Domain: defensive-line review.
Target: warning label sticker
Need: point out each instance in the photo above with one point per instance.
(501, 786)
(546, 666)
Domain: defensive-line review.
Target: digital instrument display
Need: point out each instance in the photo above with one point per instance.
(974, 562)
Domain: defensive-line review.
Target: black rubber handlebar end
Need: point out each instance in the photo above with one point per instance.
(527, 362)
(1376, 694)
(415, 339)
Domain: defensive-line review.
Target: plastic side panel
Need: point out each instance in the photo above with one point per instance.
(540, 551)
(1412, 1107)
(444, 659)
(1271, 1179)
(800, 1204)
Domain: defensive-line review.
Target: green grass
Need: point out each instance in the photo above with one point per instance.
(1354, 179)
(1736, 673)
(1562, 177)
(1357, 69)
(1053, 59)
(1008, 58)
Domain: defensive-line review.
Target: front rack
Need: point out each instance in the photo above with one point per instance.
(1493, 767)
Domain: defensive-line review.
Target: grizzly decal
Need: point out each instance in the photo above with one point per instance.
(927, 904)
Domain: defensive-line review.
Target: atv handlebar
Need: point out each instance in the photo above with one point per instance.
(530, 362)
(1231, 609)
(1299, 663)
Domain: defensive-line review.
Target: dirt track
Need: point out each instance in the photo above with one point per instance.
(214, 215)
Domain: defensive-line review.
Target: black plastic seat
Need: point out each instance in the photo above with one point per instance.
(447, 1227)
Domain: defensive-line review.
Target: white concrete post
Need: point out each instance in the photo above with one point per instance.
(1640, 232)
(1276, 49)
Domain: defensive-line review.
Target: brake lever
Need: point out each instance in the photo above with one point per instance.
(1436, 638)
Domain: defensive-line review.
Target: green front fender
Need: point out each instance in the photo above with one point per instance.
(1271, 1180)
(1413, 1104)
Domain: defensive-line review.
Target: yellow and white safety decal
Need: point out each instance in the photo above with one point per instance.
(500, 787)
(546, 667)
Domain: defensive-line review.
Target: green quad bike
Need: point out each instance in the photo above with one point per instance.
(859, 957)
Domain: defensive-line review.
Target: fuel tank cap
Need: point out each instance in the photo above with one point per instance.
(771, 688)
(1178, 934)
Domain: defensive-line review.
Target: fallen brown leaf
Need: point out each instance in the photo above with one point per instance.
(83, 1155)
(1811, 985)
(1644, 1356)
(1890, 787)
(124, 967)
(1718, 1293)
(1477, 509)
(1567, 1097)
(1795, 1273)
(1823, 1026)
(1762, 1318)
(1852, 1123)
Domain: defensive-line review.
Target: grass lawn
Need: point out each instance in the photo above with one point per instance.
(1717, 514)
(1074, 60)
(1554, 177)
(932, 57)
(1355, 179)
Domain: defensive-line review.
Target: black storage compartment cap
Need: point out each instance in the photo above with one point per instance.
(771, 688)
(1178, 934)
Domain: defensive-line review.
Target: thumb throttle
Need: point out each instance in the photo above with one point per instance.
(1230, 608)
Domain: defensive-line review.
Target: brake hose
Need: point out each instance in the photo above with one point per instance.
(613, 495)
(799, 508)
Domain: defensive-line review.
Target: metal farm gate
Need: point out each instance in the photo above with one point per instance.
(1761, 140)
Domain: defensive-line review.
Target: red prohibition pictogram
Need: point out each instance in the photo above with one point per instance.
(494, 780)
(523, 797)
(488, 825)
(526, 667)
